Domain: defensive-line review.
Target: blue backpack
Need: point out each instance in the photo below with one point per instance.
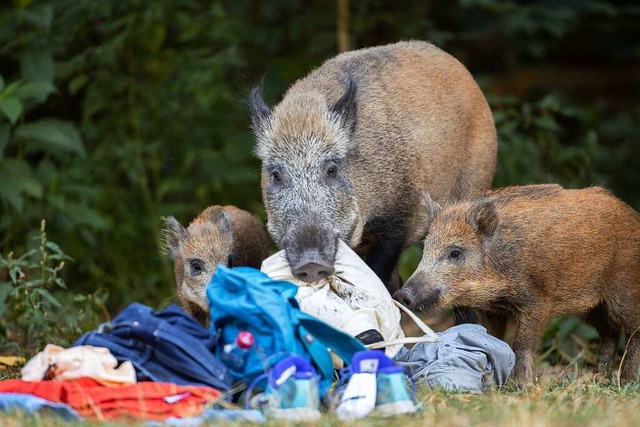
(246, 299)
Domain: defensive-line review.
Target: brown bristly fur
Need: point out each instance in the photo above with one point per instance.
(212, 237)
(419, 122)
(552, 252)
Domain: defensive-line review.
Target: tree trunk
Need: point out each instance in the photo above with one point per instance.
(343, 26)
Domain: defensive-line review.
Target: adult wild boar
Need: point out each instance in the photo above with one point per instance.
(219, 235)
(352, 146)
(532, 253)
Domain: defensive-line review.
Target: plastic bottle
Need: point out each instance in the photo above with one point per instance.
(235, 353)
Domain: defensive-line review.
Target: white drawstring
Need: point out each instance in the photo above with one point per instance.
(429, 335)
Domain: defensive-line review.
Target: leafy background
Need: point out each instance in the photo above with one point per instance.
(114, 113)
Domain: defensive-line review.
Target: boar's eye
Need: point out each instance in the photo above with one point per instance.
(332, 171)
(196, 267)
(230, 261)
(455, 254)
(276, 176)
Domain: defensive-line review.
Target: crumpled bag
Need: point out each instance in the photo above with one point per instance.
(57, 363)
(353, 299)
(465, 359)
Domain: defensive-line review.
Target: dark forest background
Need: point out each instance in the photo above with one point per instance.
(114, 113)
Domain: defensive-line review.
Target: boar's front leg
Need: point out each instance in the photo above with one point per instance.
(529, 328)
(384, 251)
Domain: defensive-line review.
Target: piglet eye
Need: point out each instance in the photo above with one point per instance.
(276, 176)
(196, 267)
(332, 171)
(455, 254)
(230, 261)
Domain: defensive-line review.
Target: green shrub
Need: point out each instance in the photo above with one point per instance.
(36, 307)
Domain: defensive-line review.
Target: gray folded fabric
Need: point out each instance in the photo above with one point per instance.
(466, 359)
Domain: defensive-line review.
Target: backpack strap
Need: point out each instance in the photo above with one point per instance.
(317, 337)
(320, 356)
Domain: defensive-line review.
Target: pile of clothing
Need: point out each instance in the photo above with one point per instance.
(269, 335)
(143, 365)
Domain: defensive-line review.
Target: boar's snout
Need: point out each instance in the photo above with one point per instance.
(312, 267)
(311, 249)
(418, 294)
(406, 297)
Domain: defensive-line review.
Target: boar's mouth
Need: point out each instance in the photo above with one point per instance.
(430, 301)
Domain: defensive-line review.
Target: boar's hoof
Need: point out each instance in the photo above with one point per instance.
(312, 272)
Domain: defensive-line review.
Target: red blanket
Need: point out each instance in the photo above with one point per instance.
(146, 400)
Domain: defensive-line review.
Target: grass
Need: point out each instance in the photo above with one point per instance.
(560, 398)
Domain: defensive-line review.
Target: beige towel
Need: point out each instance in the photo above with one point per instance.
(54, 362)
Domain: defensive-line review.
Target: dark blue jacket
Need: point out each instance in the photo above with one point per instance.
(165, 346)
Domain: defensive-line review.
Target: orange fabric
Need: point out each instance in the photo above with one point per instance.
(146, 400)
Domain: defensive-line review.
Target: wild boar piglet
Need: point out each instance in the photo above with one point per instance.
(532, 253)
(219, 235)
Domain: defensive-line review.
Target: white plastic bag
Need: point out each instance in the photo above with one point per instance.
(353, 299)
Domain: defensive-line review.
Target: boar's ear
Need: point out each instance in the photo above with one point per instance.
(260, 111)
(431, 208)
(482, 217)
(220, 218)
(173, 234)
(346, 107)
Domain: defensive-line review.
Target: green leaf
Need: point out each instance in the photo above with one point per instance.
(16, 179)
(33, 283)
(37, 64)
(52, 135)
(54, 247)
(38, 90)
(11, 88)
(547, 123)
(567, 326)
(4, 139)
(47, 296)
(13, 274)
(60, 282)
(12, 108)
(77, 83)
(41, 16)
(27, 254)
(5, 289)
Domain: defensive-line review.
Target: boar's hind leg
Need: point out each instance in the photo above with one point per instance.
(609, 334)
(631, 360)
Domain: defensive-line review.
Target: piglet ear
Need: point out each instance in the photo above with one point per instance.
(432, 207)
(346, 107)
(428, 211)
(482, 217)
(173, 234)
(220, 218)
